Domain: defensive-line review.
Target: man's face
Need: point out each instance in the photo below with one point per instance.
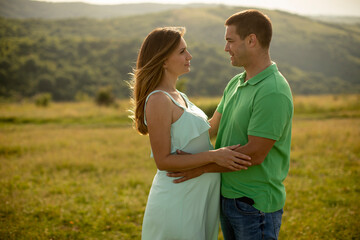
(235, 47)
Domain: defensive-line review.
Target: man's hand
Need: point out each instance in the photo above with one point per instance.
(187, 175)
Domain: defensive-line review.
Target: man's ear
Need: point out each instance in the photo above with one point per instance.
(252, 40)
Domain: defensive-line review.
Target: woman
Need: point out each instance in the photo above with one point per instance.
(176, 211)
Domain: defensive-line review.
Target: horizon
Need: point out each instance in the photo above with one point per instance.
(337, 8)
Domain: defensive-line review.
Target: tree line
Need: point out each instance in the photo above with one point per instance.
(76, 57)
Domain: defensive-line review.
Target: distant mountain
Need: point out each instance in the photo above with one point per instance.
(71, 56)
(338, 19)
(48, 10)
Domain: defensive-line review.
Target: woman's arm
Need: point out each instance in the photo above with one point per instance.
(160, 114)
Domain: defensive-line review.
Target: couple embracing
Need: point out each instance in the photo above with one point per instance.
(239, 182)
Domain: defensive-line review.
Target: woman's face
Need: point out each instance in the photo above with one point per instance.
(178, 62)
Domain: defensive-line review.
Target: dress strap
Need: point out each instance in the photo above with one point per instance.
(172, 99)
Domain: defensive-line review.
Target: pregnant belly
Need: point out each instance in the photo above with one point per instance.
(164, 185)
(198, 144)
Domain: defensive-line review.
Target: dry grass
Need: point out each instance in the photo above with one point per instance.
(89, 177)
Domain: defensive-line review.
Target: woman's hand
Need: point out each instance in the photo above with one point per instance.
(227, 157)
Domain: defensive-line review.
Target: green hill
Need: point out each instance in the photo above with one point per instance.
(75, 56)
(24, 9)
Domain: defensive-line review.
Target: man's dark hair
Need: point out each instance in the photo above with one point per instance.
(252, 22)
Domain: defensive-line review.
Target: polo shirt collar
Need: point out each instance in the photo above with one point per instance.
(259, 77)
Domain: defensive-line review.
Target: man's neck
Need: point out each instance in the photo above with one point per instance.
(257, 65)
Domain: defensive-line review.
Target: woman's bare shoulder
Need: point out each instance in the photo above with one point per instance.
(158, 103)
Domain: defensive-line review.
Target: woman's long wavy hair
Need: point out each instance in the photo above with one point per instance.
(147, 75)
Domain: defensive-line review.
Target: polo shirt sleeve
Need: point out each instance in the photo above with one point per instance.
(270, 116)
(220, 107)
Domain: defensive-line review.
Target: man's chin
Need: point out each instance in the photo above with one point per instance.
(234, 64)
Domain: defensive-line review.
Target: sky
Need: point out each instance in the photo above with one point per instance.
(303, 7)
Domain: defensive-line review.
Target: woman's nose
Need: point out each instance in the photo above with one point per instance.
(189, 57)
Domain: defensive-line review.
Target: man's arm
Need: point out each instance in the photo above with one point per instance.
(196, 172)
(257, 148)
(214, 124)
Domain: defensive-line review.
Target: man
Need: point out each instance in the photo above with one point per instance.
(256, 111)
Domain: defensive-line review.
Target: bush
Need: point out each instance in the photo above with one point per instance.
(81, 97)
(43, 99)
(105, 97)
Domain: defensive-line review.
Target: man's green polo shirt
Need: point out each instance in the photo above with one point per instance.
(262, 107)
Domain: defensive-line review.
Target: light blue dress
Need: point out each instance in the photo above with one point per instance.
(188, 210)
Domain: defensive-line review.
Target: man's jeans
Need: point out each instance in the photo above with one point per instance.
(241, 221)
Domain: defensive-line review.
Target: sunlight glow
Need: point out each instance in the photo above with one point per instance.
(304, 7)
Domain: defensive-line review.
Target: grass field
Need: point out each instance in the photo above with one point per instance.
(77, 171)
